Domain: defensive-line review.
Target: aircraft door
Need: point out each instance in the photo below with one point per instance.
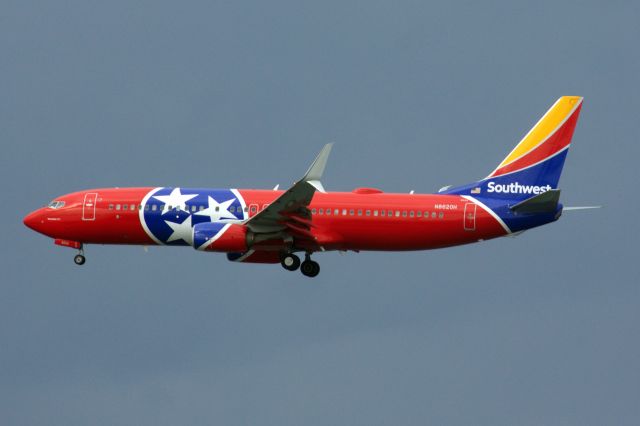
(470, 217)
(89, 206)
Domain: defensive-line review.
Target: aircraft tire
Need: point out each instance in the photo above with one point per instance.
(290, 262)
(79, 259)
(310, 268)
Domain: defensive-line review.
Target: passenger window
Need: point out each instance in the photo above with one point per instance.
(433, 215)
(146, 207)
(404, 213)
(133, 206)
(368, 213)
(390, 214)
(397, 213)
(383, 213)
(194, 208)
(117, 206)
(110, 206)
(232, 209)
(202, 208)
(154, 207)
(336, 212)
(217, 208)
(359, 212)
(313, 211)
(125, 206)
(246, 209)
(321, 211)
(440, 215)
(254, 209)
(344, 212)
(419, 213)
(328, 211)
(411, 214)
(351, 212)
(375, 213)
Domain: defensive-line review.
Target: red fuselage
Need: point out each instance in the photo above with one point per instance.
(361, 220)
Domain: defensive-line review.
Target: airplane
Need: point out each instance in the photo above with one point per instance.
(271, 226)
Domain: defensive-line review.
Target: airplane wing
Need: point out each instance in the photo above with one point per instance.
(289, 214)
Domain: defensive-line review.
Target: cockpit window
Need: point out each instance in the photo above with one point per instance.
(56, 204)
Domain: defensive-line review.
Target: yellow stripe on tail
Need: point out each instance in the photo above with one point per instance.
(548, 124)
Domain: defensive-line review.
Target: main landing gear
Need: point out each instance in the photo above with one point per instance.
(309, 268)
(79, 258)
(290, 262)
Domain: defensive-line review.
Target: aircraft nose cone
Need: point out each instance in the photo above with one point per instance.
(34, 220)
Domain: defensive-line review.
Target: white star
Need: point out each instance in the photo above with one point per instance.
(181, 231)
(217, 211)
(175, 200)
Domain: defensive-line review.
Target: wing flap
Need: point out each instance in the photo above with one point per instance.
(291, 206)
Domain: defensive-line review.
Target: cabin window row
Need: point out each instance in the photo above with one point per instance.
(320, 211)
(377, 213)
(156, 207)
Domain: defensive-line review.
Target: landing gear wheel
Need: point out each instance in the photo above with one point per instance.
(290, 262)
(79, 259)
(310, 268)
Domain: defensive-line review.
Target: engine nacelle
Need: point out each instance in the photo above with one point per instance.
(224, 237)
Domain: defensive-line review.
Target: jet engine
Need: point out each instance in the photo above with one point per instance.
(222, 237)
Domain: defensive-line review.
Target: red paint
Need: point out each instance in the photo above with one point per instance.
(233, 240)
(67, 243)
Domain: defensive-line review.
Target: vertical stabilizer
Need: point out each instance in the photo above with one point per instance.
(535, 164)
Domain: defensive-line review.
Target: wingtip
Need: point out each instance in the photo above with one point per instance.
(317, 167)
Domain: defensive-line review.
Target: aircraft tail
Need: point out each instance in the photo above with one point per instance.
(535, 164)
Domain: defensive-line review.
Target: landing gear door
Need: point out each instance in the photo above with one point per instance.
(470, 217)
(89, 206)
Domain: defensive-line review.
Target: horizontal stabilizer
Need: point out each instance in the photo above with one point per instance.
(546, 202)
(581, 208)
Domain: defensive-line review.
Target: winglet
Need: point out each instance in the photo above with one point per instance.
(317, 168)
(314, 174)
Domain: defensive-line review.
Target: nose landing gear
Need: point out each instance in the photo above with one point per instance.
(79, 258)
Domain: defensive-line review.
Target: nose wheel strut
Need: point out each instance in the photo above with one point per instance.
(79, 258)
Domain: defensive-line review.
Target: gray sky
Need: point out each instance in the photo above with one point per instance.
(538, 329)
